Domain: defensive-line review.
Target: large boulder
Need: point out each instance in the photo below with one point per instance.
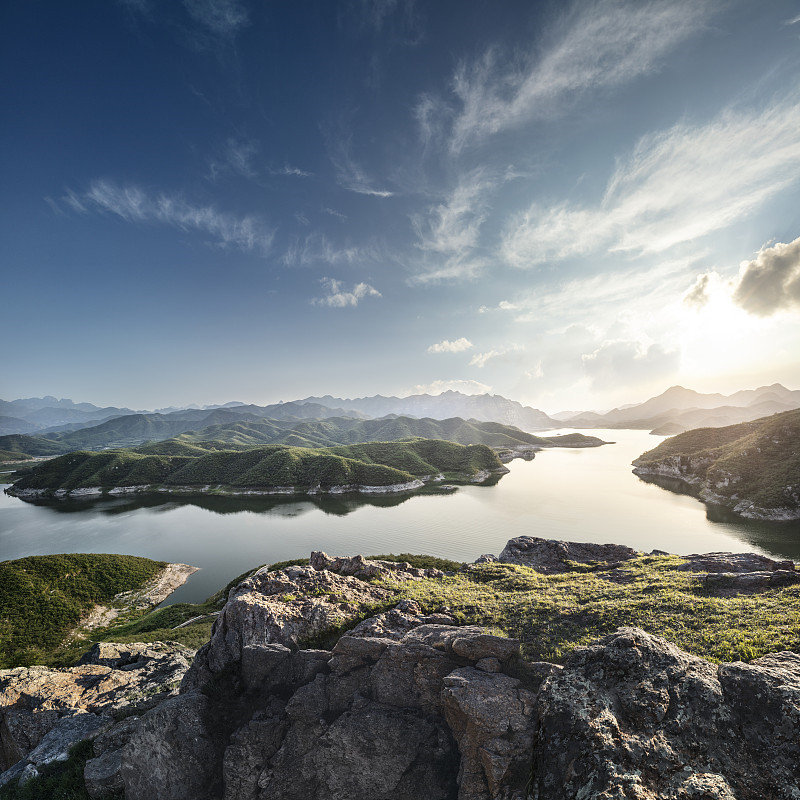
(634, 717)
(551, 556)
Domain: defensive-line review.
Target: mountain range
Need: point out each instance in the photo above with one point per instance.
(47, 425)
(679, 409)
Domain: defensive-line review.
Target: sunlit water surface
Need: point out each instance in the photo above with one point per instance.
(585, 495)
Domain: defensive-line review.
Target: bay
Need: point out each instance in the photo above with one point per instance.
(587, 495)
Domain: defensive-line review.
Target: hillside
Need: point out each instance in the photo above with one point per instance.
(239, 429)
(752, 468)
(43, 597)
(373, 466)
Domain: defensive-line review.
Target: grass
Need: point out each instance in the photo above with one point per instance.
(42, 598)
(554, 614)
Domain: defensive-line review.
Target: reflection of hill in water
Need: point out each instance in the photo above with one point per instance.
(774, 537)
(282, 506)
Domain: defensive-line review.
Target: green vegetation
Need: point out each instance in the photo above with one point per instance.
(758, 461)
(246, 433)
(42, 598)
(273, 466)
(61, 780)
(554, 614)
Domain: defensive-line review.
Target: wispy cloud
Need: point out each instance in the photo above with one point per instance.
(511, 352)
(456, 346)
(237, 157)
(676, 186)
(220, 17)
(792, 21)
(334, 213)
(134, 205)
(289, 170)
(448, 233)
(316, 248)
(339, 297)
(463, 386)
(771, 281)
(602, 294)
(349, 173)
(596, 46)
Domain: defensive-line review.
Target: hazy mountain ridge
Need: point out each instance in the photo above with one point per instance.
(752, 468)
(679, 409)
(482, 407)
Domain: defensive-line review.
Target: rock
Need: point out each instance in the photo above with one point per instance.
(492, 719)
(633, 699)
(68, 731)
(366, 721)
(552, 556)
(731, 583)
(486, 558)
(734, 562)
(285, 607)
(102, 774)
(43, 712)
(168, 754)
(360, 567)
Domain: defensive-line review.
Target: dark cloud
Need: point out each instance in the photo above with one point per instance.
(771, 281)
(616, 364)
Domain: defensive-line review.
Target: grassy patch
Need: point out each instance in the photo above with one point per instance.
(43, 597)
(421, 561)
(553, 614)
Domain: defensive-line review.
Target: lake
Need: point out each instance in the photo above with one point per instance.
(587, 495)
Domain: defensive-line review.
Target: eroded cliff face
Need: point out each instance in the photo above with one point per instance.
(408, 706)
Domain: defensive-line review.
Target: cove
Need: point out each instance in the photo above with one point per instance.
(579, 495)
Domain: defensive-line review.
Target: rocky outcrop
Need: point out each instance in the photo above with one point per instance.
(408, 705)
(634, 717)
(400, 708)
(551, 556)
(43, 712)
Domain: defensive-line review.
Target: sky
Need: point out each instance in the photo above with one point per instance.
(571, 205)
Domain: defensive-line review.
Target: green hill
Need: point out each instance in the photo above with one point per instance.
(752, 468)
(43, 597)
(207, 468)
(244, 430)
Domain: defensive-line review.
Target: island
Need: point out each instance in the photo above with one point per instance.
(176, 467)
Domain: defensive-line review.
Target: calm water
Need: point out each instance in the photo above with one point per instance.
(580, 495)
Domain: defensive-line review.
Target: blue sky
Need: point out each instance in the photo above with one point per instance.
(575, 206)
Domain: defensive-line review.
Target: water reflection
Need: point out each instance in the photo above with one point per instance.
(779, 538)
(587, 495)
(277, 505)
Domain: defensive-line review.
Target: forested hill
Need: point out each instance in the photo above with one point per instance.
(190, 467)
(238, 430)
(752, 468)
